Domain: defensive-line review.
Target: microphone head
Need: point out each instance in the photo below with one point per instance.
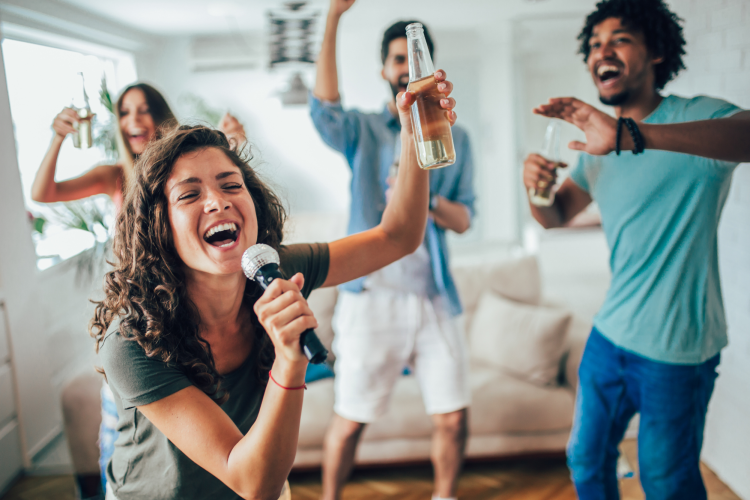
(256, 257)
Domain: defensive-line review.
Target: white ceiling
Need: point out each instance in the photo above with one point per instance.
(191, 17)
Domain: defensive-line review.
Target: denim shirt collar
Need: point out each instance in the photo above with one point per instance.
(392, 122)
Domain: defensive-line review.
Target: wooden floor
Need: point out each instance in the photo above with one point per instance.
(525, 479)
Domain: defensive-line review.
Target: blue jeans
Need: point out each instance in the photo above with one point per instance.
(107, 431)
(614, 385)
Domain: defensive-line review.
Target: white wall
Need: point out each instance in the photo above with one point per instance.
(718, 62)
(308, 174)
(314, 178)
(547, 65)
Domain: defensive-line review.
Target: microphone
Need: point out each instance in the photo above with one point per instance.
(261, 264)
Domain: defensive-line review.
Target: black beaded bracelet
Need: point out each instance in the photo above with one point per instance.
(617, 139)
(635, 133)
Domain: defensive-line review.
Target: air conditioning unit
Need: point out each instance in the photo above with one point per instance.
(232, 51)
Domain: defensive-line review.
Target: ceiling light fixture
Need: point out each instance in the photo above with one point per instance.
(291, 32)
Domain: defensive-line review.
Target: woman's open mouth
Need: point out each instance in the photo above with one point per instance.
(137, 135)
(222, 235)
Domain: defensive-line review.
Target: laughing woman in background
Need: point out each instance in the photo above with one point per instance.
(206, 368)
(141, 113)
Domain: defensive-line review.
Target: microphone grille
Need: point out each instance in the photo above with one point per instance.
(256, 257)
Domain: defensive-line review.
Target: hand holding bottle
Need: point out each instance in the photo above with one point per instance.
(65, 122)
(433, 138)
(404, 100)
(542, 194)
(539, 172)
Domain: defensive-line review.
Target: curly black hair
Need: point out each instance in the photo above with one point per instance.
(660, 26)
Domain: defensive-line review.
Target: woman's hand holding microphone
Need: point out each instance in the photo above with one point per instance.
(285, 315)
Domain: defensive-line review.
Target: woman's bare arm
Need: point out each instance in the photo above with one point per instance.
(99, 180)
(255, 465)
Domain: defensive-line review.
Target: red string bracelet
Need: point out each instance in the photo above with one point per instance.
(303, 386)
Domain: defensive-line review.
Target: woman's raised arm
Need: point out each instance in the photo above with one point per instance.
(99, 180)
(401, 230)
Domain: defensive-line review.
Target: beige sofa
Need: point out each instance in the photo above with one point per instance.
(509, 415)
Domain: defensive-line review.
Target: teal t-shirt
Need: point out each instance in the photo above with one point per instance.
(660, 214)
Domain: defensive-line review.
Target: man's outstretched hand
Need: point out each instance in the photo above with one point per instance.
(599, 127)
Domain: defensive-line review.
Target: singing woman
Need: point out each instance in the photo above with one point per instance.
(206, 367)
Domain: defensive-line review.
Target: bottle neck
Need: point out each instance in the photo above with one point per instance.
(420, 62)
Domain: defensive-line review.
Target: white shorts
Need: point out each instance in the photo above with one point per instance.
(380, 332)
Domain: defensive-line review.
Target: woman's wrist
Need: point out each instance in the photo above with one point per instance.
(289, 374)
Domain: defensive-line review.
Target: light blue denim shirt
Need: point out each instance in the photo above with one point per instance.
(368, 142)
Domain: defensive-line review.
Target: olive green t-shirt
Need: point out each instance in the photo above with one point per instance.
(145, 465)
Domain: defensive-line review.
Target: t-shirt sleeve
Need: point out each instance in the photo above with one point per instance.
(138, 379)
(310, 259)
(709, 108)
(578, 173)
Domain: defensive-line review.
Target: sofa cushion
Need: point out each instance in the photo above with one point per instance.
(317, 411)
(502, 404)
(516, 279)
(317, 372)
(522, 340)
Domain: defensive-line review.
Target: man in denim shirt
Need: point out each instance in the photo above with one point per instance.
(405, 314)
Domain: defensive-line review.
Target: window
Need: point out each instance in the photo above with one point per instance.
(42, 80)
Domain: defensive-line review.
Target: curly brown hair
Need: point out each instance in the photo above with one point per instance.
(146, 290)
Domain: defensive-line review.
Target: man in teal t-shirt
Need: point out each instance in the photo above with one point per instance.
(655, 344)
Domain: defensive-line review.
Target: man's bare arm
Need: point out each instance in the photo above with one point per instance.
(722, 139)
(726, 139)
(451, 215)
(327, 78)
(570, 199)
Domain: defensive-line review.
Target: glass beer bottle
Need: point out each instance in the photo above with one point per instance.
(82, 137)
(432, 130)
(544, 194)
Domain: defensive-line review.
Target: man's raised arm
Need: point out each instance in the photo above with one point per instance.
(327, 79)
